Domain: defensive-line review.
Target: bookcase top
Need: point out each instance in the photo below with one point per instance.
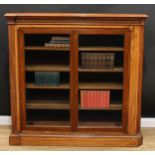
(76, 18)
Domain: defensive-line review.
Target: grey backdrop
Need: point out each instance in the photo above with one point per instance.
(148, 97)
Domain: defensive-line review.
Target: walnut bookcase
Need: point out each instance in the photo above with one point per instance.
(52, 115)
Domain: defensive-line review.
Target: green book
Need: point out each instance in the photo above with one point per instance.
(46, 79)
(55, 78)
(53, 75)
(41, 78)
(52, 78)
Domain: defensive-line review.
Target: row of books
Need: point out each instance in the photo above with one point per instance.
(97, 99)
(58, 42)
(47, 78)
(97, 60)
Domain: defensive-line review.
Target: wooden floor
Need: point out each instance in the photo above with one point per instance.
(148, 144)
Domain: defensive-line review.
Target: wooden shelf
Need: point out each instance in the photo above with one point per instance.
(117, 106)
(63, 104)
(48, 67)
(47, 104)
(83, 85)
(61, 86)
(42, 48)
(115, 69)
(107, 49)
(89, 48)
(100, 85)
(100, 124)
(66, 68)
(47, 123)
(35, 123)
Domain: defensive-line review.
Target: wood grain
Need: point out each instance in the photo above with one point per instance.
(148, 144)
(129, 25)
(107, 49)
(115, 69)
(135, 80)
(41, 14)
(47, 67)
(75, 18)
(65, 68)
(42, 104)
(100, 85)
(42, 48)
(33, 86)
(14, 79)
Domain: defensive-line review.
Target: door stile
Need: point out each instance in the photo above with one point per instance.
(74, 80)
(22, 87)
(127, 38)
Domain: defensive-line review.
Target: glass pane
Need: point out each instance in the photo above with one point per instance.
(47, 60)
(100, 80)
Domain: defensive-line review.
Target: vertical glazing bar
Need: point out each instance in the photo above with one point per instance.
(74, 80)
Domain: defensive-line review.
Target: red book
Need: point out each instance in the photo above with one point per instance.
(95, 99)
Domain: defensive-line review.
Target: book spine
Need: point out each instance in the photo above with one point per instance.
(90, 105)
(56, 45)
(46, 84)
(97, 104)
(90, 62)
(97, 60)
(44, 80)
(44, 77)
(56, 38)
(40, 79)
(82, 99)
(95, 99)
(87, 63)
(54, 78)
(50, 78)
(59, 42)
(47, 78)
(59, 78)
(108, 99)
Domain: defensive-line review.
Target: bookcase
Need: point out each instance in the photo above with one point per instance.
(76, 79)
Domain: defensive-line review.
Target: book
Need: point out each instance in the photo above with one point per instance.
(47, 78)
(57, 38)
(97, 60)
(58, 42)
(97, 99)
(56, 45)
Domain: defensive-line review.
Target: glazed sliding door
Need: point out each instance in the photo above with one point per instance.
(45, 78)
(102, 79)
(74, 80)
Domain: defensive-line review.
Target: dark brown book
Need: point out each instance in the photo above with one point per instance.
(57, 38)
(97, 60)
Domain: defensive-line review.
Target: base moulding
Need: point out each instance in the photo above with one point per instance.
(75, 140)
